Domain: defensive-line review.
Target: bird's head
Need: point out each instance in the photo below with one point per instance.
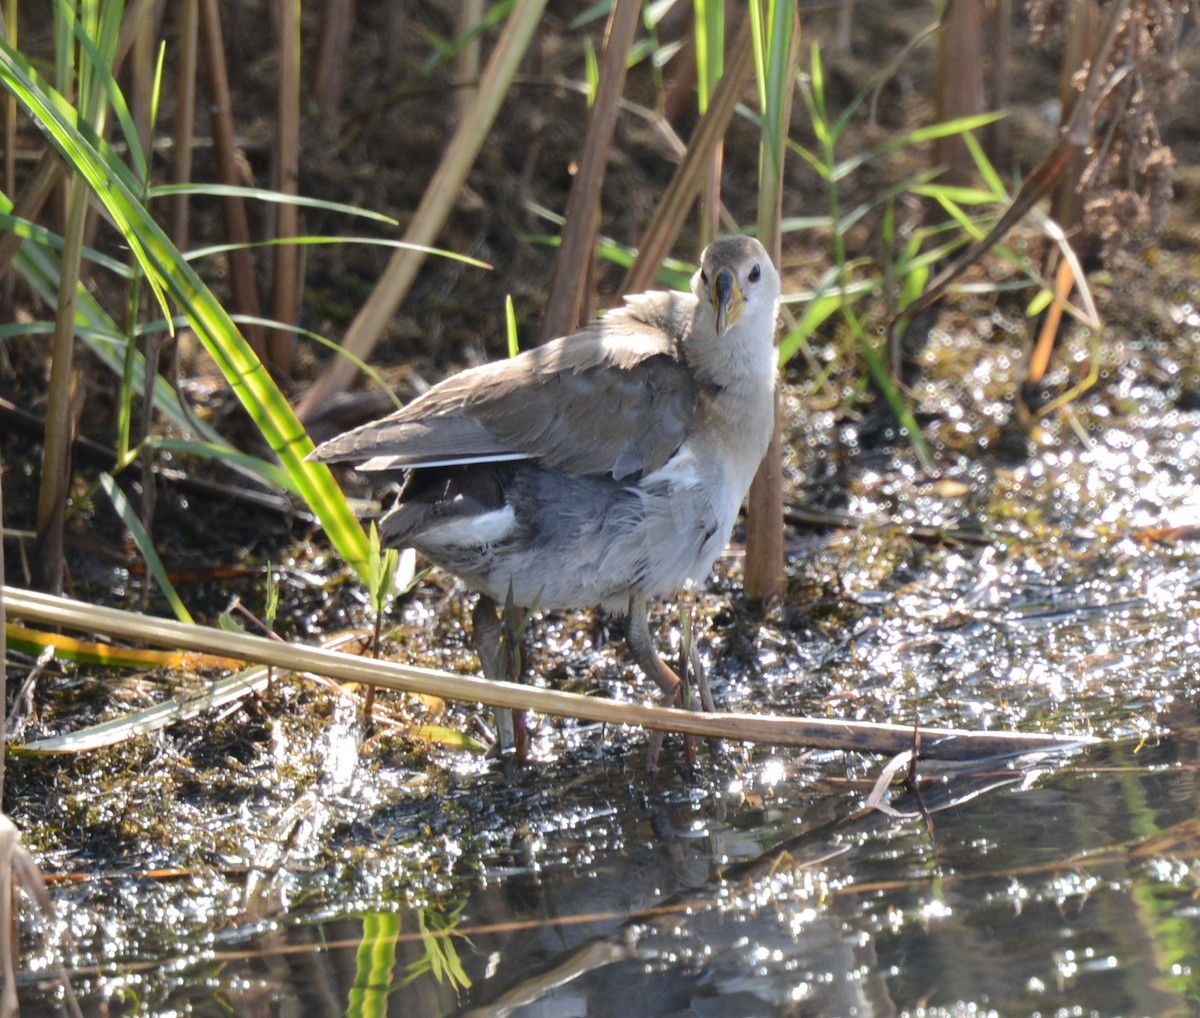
(736, 279)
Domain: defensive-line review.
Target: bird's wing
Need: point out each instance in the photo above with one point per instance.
(612, 399)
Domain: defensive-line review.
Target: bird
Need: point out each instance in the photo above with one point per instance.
(604, 468)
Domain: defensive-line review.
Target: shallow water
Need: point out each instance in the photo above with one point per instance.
(1055, 887)
(265, 862)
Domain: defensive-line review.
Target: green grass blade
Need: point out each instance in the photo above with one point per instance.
(961, 126)
(316, 337)
(145, 545)
(826, 300)
(510, 326)
(101, 335)
(317, 240)
(949, 194)
(816, 313)
(109, 180)
(153, 719)
(882, 380)
(984, 165)
(255, 466)
(263, 194)
(169, 274)
(38, 234)
(99, 62)
(710, 48)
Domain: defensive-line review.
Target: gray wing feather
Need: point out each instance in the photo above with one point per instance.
(613, 399)
(405, 436)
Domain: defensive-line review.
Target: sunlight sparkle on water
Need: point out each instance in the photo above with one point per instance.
(935, 909)
(801, 991)
(773, 772)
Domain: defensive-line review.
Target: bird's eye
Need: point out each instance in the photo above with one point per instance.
(704, 277)
(754, 274)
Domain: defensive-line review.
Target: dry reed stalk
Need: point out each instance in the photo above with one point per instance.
(959, 87)
(569, 286)
(830, 733)
(763, 577)
(285, 292)
(372, 319)
(330, 61)
(468, 61)
(1066, 205)
(10, 155)
(30, 201)
(998, 141)
(689, 178)
(56, 450)
(237, 225)
(185, 117)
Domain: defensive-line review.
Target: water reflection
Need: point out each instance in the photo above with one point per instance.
(1065, 887)
(1022, 900)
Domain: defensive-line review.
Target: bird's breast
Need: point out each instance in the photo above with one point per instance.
(732, 428)
(689, 506)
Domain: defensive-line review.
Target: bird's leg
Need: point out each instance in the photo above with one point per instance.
(689, 657)
(500, 664)
(690, 662)
(641, 646)
(513, 619)
(697, 667)
(486, 626)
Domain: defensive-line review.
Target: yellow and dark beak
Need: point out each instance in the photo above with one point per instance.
(727, 300)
